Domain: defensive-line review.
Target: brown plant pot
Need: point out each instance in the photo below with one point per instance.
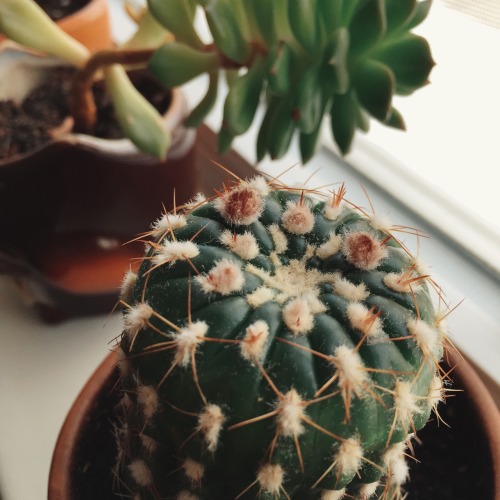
(90, 25)
(460, 462)
(68, 208)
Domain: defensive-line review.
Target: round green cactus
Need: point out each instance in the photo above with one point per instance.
(342, 58)
(276, 345)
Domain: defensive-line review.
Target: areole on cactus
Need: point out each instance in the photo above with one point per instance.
(278, 343)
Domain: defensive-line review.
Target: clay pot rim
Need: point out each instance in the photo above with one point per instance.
(173, 118)
(62, 459)
(89, 12)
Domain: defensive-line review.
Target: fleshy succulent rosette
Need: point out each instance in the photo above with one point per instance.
(278, 344)
(341, 58)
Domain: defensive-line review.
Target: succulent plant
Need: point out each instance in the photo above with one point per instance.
(277, 344)
(342, 58)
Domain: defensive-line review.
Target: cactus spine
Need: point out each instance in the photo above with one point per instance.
(276, 345)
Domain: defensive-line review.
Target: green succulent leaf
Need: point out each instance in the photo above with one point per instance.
(419, 14)
(225, 30)
(261, 12)
(139, 120)
(280, 70)
(330, 16)
(224, 140)
(395, 120)
(398, 12)
(343, 121)
(177, 16)
(263, 135)
(308, 141)
(375, 84)
(337, 68)
(368, 26)
(349, 8)
(150, 33)
(204, 107)
(281, 129)
(309, 102)
(25, 22)
(410, 60)
(302, 16)
(243, 98)
(176, 63)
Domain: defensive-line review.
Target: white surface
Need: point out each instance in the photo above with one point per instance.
(43, 368)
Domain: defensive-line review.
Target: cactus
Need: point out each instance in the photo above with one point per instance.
(278, 344)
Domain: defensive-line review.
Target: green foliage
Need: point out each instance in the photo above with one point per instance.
(315, 53)
(276, 346)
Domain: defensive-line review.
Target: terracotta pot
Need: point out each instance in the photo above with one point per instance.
(90, 25)
(464, 457)
(68, 207)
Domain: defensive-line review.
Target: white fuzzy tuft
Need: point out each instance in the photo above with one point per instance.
(127, 286)
(210, 422)
(126, 403)
(350, 369)
(436, 392)
(394, 453)
(421, 267)
(255, 340)
(367, 490)
(260, 184)
(399, 471)
(172, 251)
(363, 250)
(405, 402)
(141, 473)
(330, 247)
(193, 470)
(426, 337)
(402, 282)
(332, 494)
(298, 218)
(186, 495)
(350, 291)
(363, 320)
(241, 205)
(270, 478)
(122, 362)
(224, 278)
(279, 238)
(167, 222)
(244, 245)
(148, 400)
(298, 316)
(291, 411)
(348, 457)
(137, 317)
(148, 443)
(198, 200)
(381, 223)
(260, 296)
(333, 209)
(187, 340)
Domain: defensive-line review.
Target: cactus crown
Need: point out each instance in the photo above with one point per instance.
(277, 344)
(341, 58)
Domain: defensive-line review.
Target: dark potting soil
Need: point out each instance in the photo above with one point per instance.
(27, 126)
(58, 9)
(452, 463)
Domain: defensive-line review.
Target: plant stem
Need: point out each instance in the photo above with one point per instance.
(83, 108)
